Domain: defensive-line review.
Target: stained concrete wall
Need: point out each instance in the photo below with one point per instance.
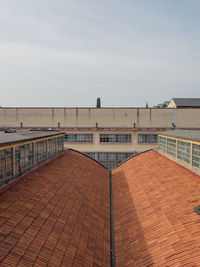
(189, 118)
(105, 117)
(88, 117)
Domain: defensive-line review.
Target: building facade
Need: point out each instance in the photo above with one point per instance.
(22, 151)
(106, 134)
(181, 146)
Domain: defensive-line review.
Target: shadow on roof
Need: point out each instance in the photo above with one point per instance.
(131, 247)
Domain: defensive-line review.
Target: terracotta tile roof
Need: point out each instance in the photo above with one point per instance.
(153, 211)
(60, 216)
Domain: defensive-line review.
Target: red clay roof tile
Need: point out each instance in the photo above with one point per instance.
(60, 216)
(153, 213)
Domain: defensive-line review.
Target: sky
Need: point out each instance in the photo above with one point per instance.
(67, 53)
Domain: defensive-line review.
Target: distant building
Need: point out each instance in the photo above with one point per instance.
(165, 104)
(184, 103)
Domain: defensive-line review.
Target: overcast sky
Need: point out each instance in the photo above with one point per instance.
(69, 52)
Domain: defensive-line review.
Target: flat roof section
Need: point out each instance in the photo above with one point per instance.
(60, 216)
(155, 222)
(184, 134)
(7, 138)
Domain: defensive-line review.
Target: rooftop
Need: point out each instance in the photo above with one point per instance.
(12, 137)
(59, 216)
(184, 134)
(187, 102)
(155, 224)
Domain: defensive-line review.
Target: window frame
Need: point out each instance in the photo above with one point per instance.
(146, 138)
(75, 138)
(115, 138)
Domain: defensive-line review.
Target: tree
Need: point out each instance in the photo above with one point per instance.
(98, 102)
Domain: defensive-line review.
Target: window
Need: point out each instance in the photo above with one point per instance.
(9, 161)
(196, 155)
(17, 160)
(162, 143)
(25, 157)
(171, 147)
(115, 138)
(51, 147)
(109, 159)
(6, 163)
(60, 140)
(90, 154)
(112, 159)
(78, 138)
(184, 151)
(147, 138)
(40, 151)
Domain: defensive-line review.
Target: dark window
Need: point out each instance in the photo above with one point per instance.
(79, 138)
(110, 159)
(40, 151)
(6, 163)
(115, 138)
(147, 138)
(26, 157)
(51, 147)
(60, 143)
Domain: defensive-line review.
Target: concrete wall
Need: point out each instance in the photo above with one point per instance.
(188, 117)
(86, 117)
(105, 117)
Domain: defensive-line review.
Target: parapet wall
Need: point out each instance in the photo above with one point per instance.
(105, 117)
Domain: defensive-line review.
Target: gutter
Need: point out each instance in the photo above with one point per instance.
(112, 237)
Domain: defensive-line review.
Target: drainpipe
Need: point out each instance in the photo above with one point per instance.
(112, 237)
(175, 117)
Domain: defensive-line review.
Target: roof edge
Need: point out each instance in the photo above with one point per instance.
(124, 161)
(29, 173)
(68, 149)
(179, 165)
(26, 138)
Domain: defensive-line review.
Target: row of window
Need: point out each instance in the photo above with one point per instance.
(109, 159)
(185, 151)
(110, 138)
(79, 138)
(24, 156)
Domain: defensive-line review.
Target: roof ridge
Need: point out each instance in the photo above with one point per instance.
(87, 156)
(124, 161)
